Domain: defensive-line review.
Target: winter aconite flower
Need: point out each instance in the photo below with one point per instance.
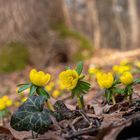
(2, 105)
(119, 69)
(56, 93)
(24, 99)
(39, 78)
(125, 62)
(5, 98)
(73, 80)
(60, 85)
(37, 85)
(105, 80)
(126, 78)
(138, 64)
(8, 102)
(17, 103)
(5, 102)
(50, 86)
(93, 70)
(69, 79)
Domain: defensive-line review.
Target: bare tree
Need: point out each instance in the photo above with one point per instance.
(120, 26)
(32, 21)
(133, 16)
(95, 23)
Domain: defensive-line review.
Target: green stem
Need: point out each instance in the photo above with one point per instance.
(80, 101)
(50, 106)
(113, 99)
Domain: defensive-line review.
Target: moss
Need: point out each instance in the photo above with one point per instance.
(84, 43)
(14, 56)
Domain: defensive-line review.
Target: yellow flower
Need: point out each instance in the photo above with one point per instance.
(5, 98)
(60, 86)
(115, 68)
(50, 86)
(8, 103)
(99, 73)
(16, 103)
(69, 79)
(2, 105)
(93, 70)
(39, 78)
(123, 69)
(105, 80)
(125, 62)
(126, 78)
(119, 69)
(56, 93)
(24, 99)
(138, 64)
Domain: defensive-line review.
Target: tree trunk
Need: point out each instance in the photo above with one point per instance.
(120, 27)
(31, 21)
(134, 22)
(95, 23)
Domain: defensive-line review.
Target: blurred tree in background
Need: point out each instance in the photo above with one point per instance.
(63, 30)
(110, 23)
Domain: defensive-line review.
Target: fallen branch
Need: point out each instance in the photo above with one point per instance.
(88, 131)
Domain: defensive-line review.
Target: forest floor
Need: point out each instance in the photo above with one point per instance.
(99, 121)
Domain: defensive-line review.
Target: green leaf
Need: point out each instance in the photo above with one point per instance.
(74, 92)
(116, 82)
(81, 88)
(24, 87)
(31, 115)
(77, 91)
(84, 85)
(81, 77)
(33, 89)
(79, 68)
(23, 84)
(42, 92)
(82, 92)
(119, 91)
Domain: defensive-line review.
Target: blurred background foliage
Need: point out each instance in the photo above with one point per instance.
(84, 48)
(13, 56)
(64, 30)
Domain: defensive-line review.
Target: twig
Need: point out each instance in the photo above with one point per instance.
(91, 131)
(73, 122)
(76, 120)
(93, 116)
(86, 118)
(55, 123)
